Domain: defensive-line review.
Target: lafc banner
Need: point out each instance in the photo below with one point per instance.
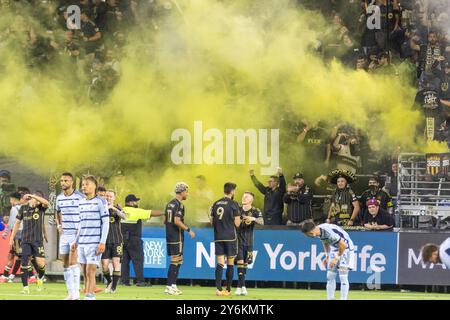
(438, 163)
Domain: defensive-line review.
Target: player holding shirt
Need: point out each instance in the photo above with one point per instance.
(340, 254)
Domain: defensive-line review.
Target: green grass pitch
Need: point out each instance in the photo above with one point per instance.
(57, 291)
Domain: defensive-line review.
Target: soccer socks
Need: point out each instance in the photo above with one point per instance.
(107, 276)
(230, 272)
(6, 271)
(219, 270)
(345, 286)
(76, 277)
(25, 272)
(171, 274)
(41, 271)
(68, 277)
(115, 279)
(16, 267)
(35, 265)
(178, 271)
(241, 275)
(331, 284)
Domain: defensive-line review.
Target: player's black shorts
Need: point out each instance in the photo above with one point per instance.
(113, 250)
(175, 248)
(16, 248)
(35, 249)
(242, 253)
(226, 248)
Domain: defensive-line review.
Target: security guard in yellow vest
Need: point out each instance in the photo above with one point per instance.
(132, 241)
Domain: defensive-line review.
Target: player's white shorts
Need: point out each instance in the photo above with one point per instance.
(347, 260)
(65, 241)
(87, 254)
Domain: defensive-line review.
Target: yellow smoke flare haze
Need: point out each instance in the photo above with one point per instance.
(227, 65)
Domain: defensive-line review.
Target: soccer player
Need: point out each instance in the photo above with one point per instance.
(92, 232)
(250, 216)
(175, 228)
(340, 254)
(68, 220)
(225, 218)
(16, 200)
(114, 243)
(33, 235)
(433, 253)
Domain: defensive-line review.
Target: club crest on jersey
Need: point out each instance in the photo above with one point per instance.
(36, 216)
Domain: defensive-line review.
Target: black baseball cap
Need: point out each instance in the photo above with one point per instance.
(16, 195)
(298, 175)
(5, 174)
(131, 197)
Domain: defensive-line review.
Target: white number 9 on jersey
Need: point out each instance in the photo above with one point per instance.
(219, 212)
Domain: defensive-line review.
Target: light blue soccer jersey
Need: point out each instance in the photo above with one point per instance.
(444, 253)
(70, 212)
(332, 234)
(94, 221)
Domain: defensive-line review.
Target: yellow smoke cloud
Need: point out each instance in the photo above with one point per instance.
(227, 65)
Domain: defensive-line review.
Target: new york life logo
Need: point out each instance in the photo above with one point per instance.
(154, 252)
(73, 19)
(214, 146)
(369, 262)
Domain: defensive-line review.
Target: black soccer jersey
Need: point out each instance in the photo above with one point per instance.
(174, 209)
(114, 233)
(223, 213)
(33, 223)
(245, 231)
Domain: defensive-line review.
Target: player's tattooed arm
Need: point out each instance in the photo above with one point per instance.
(119, 212)
(259, 220)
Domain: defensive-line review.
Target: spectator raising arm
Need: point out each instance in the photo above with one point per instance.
(282, 181)
(256, 182)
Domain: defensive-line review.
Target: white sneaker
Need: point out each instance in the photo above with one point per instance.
(69, 297)
(11, 278)
(238, 292)
(108, 288)
(171, 291)
(244, 291)
(76, 296)
(174, 287)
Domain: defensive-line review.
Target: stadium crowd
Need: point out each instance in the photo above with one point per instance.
(408, 41)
